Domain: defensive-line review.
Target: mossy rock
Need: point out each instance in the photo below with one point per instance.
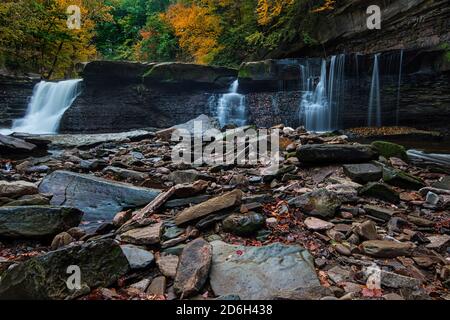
(402, 179)
(379, 191)
(389, 149)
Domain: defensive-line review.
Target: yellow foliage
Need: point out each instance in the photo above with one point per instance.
(328, 5)
(267, 10)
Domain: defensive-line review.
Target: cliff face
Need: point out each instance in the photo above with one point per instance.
(405, 24)
(14, 96)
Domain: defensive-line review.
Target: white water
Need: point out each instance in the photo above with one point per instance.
(47, 105)
(231, 107)
(374, 99)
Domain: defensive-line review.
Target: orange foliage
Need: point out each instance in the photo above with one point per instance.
(267, 10)
(328, 5)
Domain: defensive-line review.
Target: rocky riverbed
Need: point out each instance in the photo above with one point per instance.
(337, 220)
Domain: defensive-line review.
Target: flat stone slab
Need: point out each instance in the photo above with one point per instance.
(257, 273)
(98, 198)
(363, 173)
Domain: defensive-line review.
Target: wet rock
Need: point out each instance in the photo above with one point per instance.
(379, 191)
(320, 202)
(387, 249)
(227, 200)
(37, 221)
(61, 239)
(317, 224)
(335, 153)
(402, 179)
(17, 189)
(432, 198)
(367, 230)
(243, 224)
(389, 149)
(157, 286)
(101, 264)
(259, 272)
(193, 268)
(379, 212)
(143, 236)
(98, 198)
(125, 173)
(363, 173)
(189, 176)
(138, 258)
(167, 264)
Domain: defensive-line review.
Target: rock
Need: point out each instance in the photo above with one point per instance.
(379, 212)
(379, 191)
(125, 173)
(338, 274)
(432, 198)
(259, 273)
(11, 145)
(98, 198)
(138, 258)
(443, 183)
(188, 176)
(143, 236)
(367, 230)
(17, 189)
(363, 173)
(93, 165)
(37, 221)
(334, 153)
(393, 297)
(38, 169)
(76, 232)
(43, 277)
(387, 249)
(319, 202)
(61, 239)
(167, 264)
(227, 200)
(30, 200)
(438, 242)
(397, 281)
(142, 285)
(121, 217)
(186, 201)
(317, 224)
(158, 286)
(190, 190)
(243, 224)
(342, 249)
(401, 179)
(193, 268)
(345, 193)
(389, 149)
(199, 126)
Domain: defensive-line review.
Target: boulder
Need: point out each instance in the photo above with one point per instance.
(363, 173)
(243, 224)
(138, 258)
(389, 149)
(98, 198)
(320, 202)
(17, 189)
(225, 201)
(259, 273)
(335, 153)
(37, 221)
(45, 277)
(11, 145)
(387, 249)
(193, 268)
(402, 179)
(380, 191)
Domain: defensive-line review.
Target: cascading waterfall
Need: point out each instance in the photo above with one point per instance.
(397, 112)
(231, 107)
(47, 105)
(320, 106)
(374, 99)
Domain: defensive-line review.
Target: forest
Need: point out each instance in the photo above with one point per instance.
(34, 36)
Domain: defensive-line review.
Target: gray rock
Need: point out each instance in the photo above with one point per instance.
(363, 173)
(379, 212)
(243, 224)
(335, 153)
(193, 268)
(320, 202)
(380, 191)
(101, 264)
(37, 221)
(260, 272)
(30, 200)
(443, 183)
(138, 258)
(188, 176)
(17, 189)
(387, 249)
(401, 179)
(125, 173)
(97, 198)
(9, 145)
(186, 201)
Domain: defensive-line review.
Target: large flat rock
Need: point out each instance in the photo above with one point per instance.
(259, 273)
(335, 153)
(98, 198)
(37, 221)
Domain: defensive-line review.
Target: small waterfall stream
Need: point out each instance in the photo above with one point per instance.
(374, 98)
(231, 107)
(47, 105)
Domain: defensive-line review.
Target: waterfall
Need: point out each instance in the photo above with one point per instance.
(47, 105)
(374, 99)
(397, 112)
(320, 106)
(231, 107)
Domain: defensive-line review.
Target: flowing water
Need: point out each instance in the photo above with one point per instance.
(231, 107)
(374, 99)
(47, 105)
